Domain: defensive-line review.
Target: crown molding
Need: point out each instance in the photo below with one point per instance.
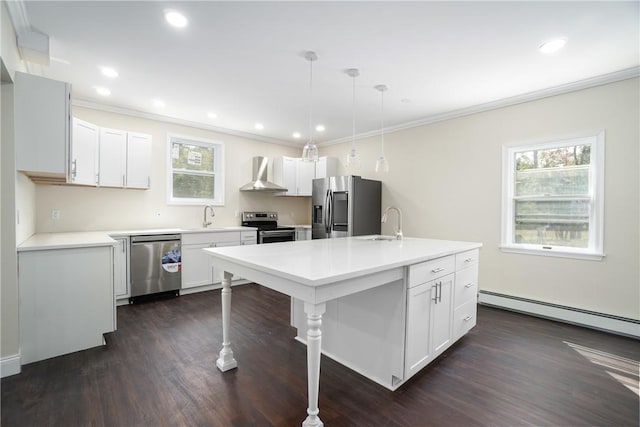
(604, 79)
(173, 120)
(18, 14)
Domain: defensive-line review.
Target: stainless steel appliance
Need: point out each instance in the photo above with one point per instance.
(268, 229)
(259, 181)
(155, 264)
(345, 206)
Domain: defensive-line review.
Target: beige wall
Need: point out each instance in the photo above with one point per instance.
(87, 208)
(446, 177)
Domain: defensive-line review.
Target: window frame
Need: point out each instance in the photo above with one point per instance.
(218, 170)
(595, 249)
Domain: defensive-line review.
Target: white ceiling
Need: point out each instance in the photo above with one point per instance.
(244, 60)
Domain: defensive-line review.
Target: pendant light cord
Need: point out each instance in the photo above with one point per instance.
(310, 97)
(382, 122)
(353, 115)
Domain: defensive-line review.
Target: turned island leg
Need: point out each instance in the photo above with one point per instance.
(314, 339)
(226, 361)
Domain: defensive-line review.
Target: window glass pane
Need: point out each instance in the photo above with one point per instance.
(552, 222)
(555, 171)
(192, 157)
(193, 186)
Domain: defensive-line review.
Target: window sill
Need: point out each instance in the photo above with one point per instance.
(557, 253)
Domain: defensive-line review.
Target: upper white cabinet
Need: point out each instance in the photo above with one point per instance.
(297, 175)
(42, 110)
(326, 166)
(113, 146)
(84, 153)
(138, 160)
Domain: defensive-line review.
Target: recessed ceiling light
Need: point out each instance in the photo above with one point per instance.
(175, 18)
(109, 72)
(158, 103)
(259, 126)
(320, 128)
(212, 115)
(554, 45)
(103, 91)
(296, 135)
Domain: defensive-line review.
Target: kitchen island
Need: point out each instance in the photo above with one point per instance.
(428, 309)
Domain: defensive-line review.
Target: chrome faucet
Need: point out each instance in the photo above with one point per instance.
(399, 229)
(206, 223)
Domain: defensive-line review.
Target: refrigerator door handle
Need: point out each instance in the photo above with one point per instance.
(329, 212)
(325, 217)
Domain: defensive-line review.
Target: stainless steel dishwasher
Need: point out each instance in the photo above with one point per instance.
(155, 264)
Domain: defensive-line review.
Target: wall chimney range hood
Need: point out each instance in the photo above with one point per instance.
(259, 181)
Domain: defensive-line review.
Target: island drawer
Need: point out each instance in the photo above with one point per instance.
(466, 285)
(430, 270)
(467, 259)
(464, 318)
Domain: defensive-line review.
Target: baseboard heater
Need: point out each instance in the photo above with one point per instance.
(591, 319)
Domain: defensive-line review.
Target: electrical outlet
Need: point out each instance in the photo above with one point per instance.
(55, 214)
(158, 214)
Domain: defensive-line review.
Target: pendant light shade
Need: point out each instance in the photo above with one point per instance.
(353, 159)
(382, 165)
(310, 150)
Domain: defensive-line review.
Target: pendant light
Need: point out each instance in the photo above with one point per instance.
(310, 150)
(353, 160)
(381, 164)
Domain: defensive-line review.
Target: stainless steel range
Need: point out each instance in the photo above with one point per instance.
(268, 229)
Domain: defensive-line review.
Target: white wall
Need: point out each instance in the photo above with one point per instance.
(446, 177)
(88, 208)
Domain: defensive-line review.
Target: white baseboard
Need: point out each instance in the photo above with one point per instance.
(590, 319)
(10, 365)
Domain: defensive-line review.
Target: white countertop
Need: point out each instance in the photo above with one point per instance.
(66, 240)
(323, 261)
(41, 241)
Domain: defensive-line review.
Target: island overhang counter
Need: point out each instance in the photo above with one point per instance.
(433, 309)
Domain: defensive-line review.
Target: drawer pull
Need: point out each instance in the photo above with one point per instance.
(466, 319)
(468, 285)
(437, 270)
(468, 260)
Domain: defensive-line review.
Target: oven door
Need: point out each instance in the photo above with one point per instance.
(274, 236)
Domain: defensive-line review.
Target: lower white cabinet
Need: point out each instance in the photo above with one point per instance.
(121, 267)
(429, 325)
(197, 266)
(66, 300)
(303, 233)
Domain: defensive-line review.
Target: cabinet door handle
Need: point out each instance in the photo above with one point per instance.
(437, 270)
(212, 245)
(440, 296)
(468, 260)
(435, 288)
(123, 181)
(74, 169)
(468, 285)
(466, 319)
(148, 182)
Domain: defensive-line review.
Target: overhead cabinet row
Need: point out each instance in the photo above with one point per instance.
(297, 175)
(109, 157)
(54, 148)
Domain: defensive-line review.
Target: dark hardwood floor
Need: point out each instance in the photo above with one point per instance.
(158, 369)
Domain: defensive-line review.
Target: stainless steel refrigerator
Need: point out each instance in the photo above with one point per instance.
(345, 206)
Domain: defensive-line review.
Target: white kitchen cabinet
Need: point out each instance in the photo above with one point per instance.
(66, 300)
(297, 175)
(466, 293)
(121, 268)
(197, 267)
(429, 325)
(84, 153)
(303, 233)
(248, 238)
(305, 173)
(138, 160)
(42, 114)
(112, 157)
(326, 167)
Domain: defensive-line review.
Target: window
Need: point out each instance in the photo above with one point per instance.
(195, 171)
(553, 197)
